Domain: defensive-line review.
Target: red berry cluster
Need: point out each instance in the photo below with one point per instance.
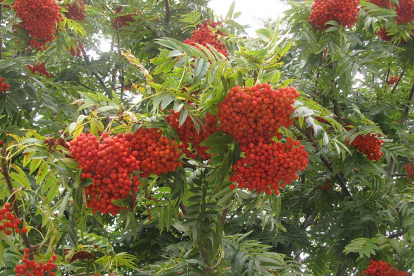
(343, 11)
(409, 172)
(386, 4)
(405, 11)
(39, 67)
(111, 162)
(256, 112)
(33, 268)
(122, 20)
(369, 145)
(157, 154)
(393, 80)
(77, 51)
(265, 165)
(383, 34)
(189, 135)
(8, 220)
(3, 85)
(253, 117)
(39, 18)
(325, 186)
(76, 11)
(108, 163)
(206, 34)
(380, 268)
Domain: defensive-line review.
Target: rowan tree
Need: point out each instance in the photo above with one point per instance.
(155, 138)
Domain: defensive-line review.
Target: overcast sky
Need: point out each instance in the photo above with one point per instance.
(252, 10)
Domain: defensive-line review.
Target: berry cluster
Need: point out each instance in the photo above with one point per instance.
(393, 80)
(386, 4)
(33, 268)
(409, 172)
(325, 186)
(343, 11)
(77, 51)
(380, 268)
(265, 165)
(369, 145)
(39, 67)
(383, 34)
(111, 162)
(3, 85)
(8, 220)
(189, 135)
(405, 11)
(122, 20)
(256, 112)
(157, 154)
(253, 117)
(39, 18)
(206, 34)
(108, 163)
(76, 11)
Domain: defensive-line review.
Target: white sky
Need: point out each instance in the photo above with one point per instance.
(251, 10)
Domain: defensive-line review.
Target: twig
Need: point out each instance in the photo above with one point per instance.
(5, 172)
(398, 81)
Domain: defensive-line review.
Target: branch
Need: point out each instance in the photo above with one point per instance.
(391, 167)
(341, 270)
(398, 234)
(388, 74)
(167, 12)
(5, 172)
(88, 62)
(325, 161)
(1, 37)
(407, 107)
(398, 81)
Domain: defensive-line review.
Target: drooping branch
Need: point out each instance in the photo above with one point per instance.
(88, 62)
(167, 11)
(325, 161)
(5, 171)
(398, 81)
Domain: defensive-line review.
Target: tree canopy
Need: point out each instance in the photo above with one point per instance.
(154, 138)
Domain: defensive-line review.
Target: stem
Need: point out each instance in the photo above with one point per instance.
(15, 207)
(88, 62)
(398, 81)
(167, 11)
(342, 184)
